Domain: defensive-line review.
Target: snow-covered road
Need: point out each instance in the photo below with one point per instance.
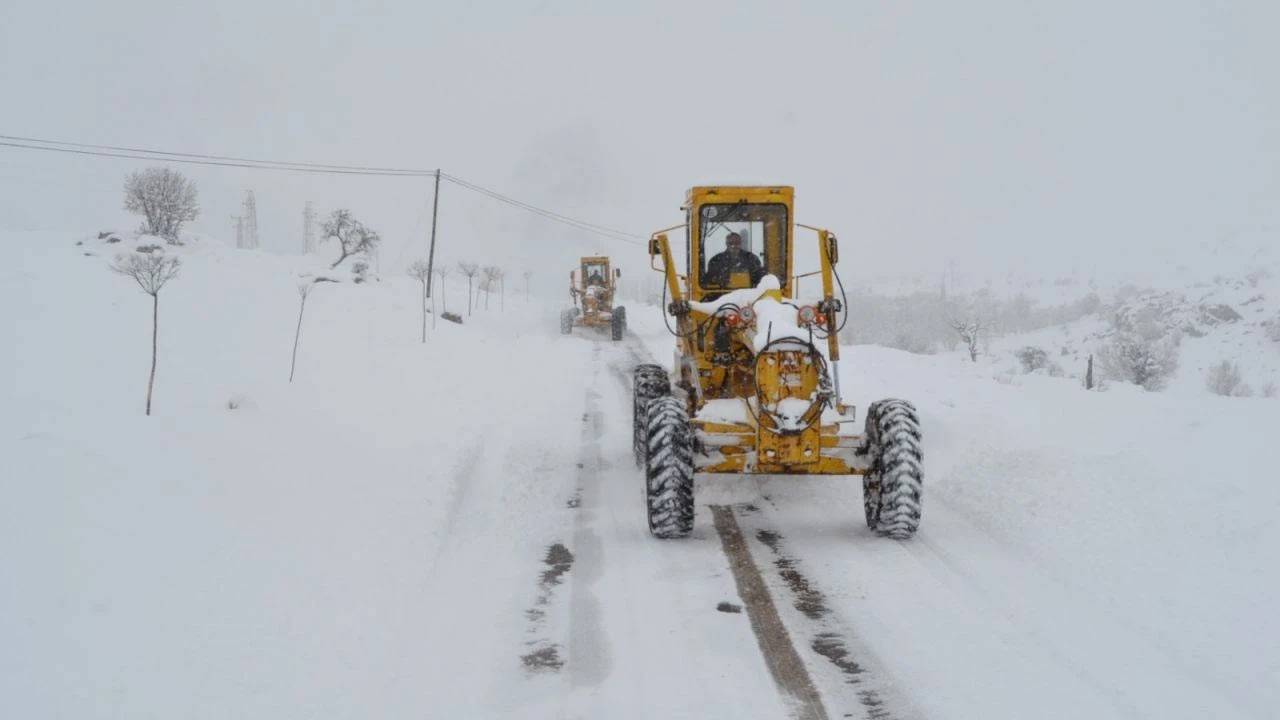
(456, 529)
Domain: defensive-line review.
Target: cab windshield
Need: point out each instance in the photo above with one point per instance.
(739, 243)
(594, 273)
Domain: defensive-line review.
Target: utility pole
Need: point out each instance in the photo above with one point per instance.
(238, 220)
(431, 253)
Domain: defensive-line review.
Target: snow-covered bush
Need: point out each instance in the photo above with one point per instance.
(1270, 390)
(1224, 379)
(359, 272)
(1140, 359)
(911, 343)
(1273, 330)
(1032, 358)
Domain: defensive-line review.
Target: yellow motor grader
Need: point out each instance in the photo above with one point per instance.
(592, 289)
(756, 388)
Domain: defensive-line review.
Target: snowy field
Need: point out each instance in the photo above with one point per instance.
(455, 529)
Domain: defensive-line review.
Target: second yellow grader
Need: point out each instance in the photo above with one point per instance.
(755, 386)
(593, 287)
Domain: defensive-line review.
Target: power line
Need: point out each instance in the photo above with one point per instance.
(216, 163)
(602, 230)
(227, 158)
(132, 153)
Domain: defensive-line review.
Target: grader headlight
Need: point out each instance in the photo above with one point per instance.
(807, 314)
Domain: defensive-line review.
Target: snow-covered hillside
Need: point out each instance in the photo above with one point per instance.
(455, 528)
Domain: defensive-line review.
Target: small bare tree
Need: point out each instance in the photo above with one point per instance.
(151, 271)
(420, 271)
(352, 236)
(442, 272)
(970, 330)
(164, 198)
(490, 279)
(470, 270)
(304, 289)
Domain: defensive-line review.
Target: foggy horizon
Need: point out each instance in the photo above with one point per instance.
(1038, 137)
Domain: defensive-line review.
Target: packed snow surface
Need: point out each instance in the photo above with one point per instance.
(438, 530)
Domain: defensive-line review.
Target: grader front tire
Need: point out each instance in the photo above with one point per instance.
(648, 382)
(618, 323)
(669, 469)
(891, 491)
(566, 320)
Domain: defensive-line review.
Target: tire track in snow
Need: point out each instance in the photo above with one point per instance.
(589, 658)
(788, 670)
(829, 639)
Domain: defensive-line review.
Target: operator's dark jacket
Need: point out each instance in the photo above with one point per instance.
(724, 264)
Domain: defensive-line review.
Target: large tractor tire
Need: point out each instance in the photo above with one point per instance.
(566, 320)
(669, 469)
(618, 323)
(648, 382)
(891, 491)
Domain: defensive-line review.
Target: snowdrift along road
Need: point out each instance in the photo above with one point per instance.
(433, 530)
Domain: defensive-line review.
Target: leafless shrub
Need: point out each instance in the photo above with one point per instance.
(151, 272)
(164, 198)
(1224, 379)
(1140, 359)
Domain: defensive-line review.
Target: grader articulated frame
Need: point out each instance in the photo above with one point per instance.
(756, 387)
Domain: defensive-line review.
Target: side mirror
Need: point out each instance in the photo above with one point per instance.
(617, 272)
(654, 248)
(833, 249)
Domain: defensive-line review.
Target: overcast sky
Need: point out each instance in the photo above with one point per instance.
(1051, 133)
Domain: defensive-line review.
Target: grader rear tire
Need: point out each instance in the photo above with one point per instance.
(618, 323)
(891, 491)
(648, 382)
(669, 469)
(566, 320)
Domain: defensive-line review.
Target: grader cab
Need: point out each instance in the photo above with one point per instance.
(756, 387)
(592, 288)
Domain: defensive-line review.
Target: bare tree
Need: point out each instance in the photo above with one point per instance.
(442, 272)
(421, 271)
(304, 289)
(469, 269)
(151, 271)
(970, 331)
(352, 236)
(164, 198)
(490, 279)
(971, 322)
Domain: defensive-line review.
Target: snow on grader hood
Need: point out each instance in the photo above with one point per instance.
(755, 387)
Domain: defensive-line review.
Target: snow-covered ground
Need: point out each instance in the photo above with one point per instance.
(455, 529)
